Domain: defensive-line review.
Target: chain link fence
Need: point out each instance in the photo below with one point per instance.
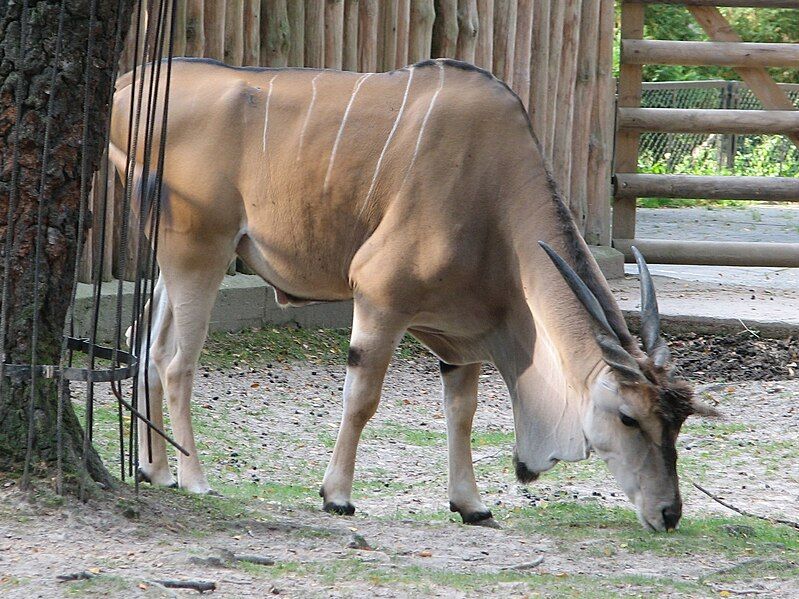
(709, 154)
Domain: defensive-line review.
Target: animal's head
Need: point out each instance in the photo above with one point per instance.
(637, 404)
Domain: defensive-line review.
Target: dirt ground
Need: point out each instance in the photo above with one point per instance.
(266, 433)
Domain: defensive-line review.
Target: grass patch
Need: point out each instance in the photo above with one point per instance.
(678, 203)
(259, 346)
(102, 585)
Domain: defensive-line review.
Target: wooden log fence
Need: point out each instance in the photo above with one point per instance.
(555, 54)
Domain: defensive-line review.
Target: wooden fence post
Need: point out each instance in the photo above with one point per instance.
(445, 29)
(252, 32)
(234, 32)
(423, 14)
(214, 23)
(195, 28)
(275, 33)
(468, 28)
(296, 17)
(484, 53)
(403, 33)
(368, 20)
(334, 33)
(539, 84)
(387, 42)
(179, 47)
(522, 49)
(350, 58)
(315, 33)
(504, 39)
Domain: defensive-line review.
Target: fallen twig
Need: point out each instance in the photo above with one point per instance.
(748, 330)
(729, 506)
(489, 456)
(84, 575)
(526, 565)
(197, 585)
(719, 589)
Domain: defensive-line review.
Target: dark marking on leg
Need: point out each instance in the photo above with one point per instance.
(354, 357)
(446, 368)
(523, 473)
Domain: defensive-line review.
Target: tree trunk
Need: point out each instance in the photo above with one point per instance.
(27, 70)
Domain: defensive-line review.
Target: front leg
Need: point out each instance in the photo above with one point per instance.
(375, 335)
(460, 404)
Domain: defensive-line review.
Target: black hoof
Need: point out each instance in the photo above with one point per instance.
(340, 510)
(141, 477)
(484, 518)
(173, 486)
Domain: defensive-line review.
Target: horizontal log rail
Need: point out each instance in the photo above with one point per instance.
(709, 120)
(730, 3)
(774, 189)
(712, 253)
(728, 54)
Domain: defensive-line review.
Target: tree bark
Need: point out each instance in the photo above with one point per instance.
(27, 69)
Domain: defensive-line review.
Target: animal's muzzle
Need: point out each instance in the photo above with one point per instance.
(523, 473)
(671, 515)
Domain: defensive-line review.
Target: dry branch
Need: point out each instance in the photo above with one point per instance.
(729, 506)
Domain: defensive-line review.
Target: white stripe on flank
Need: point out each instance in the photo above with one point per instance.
(308, 114)
(388, 141)
(424, 121)
(361, 80)
(266, 110)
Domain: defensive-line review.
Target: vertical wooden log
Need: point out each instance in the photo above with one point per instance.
(632, 27)
(315, 33)
(350, 59)
(296, 15)
(484, 53)
(195, 28)
(274, 33)
(600, 150)
(403, 31)
(368, 22)
(252, 32)
(445, 29)
(387, 51)
(214, 22)
(584, 100)
(504, 39)
(521, 55)
(423, 15)
(553, 73)
(106, 178)
(234, 32)
(334, 33)
(539, 66)
(468, 28)
(561, 163)
(179, 48)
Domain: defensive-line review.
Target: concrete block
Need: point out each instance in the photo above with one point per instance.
(611, 261)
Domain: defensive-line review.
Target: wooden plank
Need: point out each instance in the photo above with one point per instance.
(214, 23)
(387, 40)
(296, 15)
(538, 106)
(274, 33)
(600, 150)
(252, 32)
(423, 15)
(522, 49)
(445, 29)
(368, 36)
(315, 33)
(403, 31)
(757, 78)
(234, 32)
(731, 3)
(484, 52)
(350, 56)
(626, 161)
(468, 27)
(712, 253)
(774, 189)
(179, 45)
(195, 28)
(564, 118)
(334, 34)
(708, 120)
(553, 73)
(727, 54)
(584, 99)
(504, 39)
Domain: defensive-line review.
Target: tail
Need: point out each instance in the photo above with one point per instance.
(143, 196)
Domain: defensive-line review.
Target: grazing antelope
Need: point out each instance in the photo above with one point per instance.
(422, 195)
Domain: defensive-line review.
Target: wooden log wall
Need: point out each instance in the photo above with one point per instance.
(555, 54)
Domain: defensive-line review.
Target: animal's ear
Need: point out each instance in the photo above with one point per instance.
(700, 408)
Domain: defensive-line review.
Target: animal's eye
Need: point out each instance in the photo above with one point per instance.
(627, 421)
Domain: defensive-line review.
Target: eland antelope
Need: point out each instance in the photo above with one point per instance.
(422, 195)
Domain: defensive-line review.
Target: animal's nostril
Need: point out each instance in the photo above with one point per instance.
(671, 515)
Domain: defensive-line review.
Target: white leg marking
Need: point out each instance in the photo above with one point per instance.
(388, 141)
(266, 110)
(361, 80)
(308, 114)
(424, 121)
